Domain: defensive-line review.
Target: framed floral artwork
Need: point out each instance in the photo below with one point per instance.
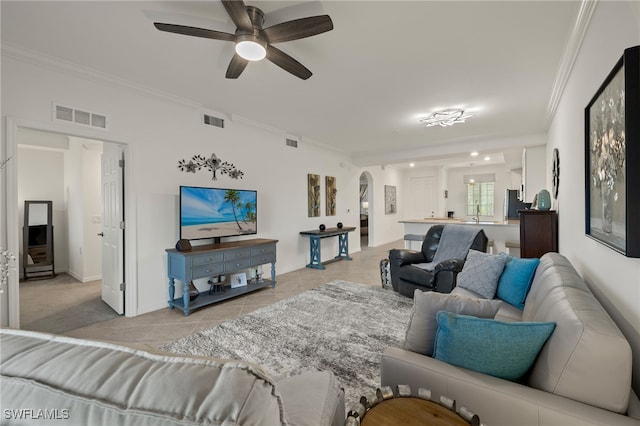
(612, 158)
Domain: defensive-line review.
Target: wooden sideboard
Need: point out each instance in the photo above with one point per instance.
(538, 232)
(218, 259)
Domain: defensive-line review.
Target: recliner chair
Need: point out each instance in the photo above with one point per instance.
(405, 277)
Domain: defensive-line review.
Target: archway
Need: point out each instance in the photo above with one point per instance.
(365, 203)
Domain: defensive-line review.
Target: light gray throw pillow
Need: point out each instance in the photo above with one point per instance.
(423, 325)
(481, 272)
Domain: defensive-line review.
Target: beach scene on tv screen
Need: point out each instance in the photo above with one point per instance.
(212, 212)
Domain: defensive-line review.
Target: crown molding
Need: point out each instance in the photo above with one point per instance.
(19, 53)
(571, 50)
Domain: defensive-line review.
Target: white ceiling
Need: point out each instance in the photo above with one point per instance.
(385, 64)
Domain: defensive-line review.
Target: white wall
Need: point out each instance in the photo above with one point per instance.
(384, 228)
(614, 278)
(75, 214)
(536, 172)
(41, 178)
(92, 209)
(160, 132)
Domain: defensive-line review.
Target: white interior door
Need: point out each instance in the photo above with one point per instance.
(422, 195)
(113, 227)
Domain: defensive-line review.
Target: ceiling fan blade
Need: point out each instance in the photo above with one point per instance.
(287, 63)
(236, 66)
(238, 13)
(196, 32)
(297, 29)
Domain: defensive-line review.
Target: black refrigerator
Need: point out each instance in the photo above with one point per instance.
(512, 204)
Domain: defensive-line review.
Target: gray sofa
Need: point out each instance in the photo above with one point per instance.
(48, 379)
(582, 375)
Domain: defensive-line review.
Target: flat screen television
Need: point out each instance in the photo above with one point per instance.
(217, 212)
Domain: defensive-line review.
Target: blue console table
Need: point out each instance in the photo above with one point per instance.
(218, 259)
(315, 260)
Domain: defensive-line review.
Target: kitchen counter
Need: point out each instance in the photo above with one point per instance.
(499, 232)
(457, 221)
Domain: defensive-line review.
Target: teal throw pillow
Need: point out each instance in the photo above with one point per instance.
(515, 281)
(501, 349)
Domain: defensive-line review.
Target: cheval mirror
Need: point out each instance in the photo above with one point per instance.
(37, 239)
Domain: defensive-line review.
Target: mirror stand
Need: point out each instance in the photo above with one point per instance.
(37, 240)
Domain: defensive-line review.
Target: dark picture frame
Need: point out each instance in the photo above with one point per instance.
(612, 158)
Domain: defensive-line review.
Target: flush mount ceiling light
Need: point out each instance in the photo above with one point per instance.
(445, 118)
(251, 47)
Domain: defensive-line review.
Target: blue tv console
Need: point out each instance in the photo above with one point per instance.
(218, 259)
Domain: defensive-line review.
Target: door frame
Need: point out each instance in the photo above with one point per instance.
(371, 217)
(11, 202)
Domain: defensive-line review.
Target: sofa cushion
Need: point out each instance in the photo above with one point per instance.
(587, 358)
(311, 398)
(501, 349)
(481, 272)
(422, 327)
(516, 279)
(103, 383)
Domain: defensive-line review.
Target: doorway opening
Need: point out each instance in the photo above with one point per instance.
(66, 170)
(366, 209)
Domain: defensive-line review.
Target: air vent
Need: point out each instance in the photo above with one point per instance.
(210, 120)
(77, 116)
(292, 143)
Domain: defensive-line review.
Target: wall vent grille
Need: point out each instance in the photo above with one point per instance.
(77, 116)
(292, 143)
(210, 120)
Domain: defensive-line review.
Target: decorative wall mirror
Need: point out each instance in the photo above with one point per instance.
(37, 239)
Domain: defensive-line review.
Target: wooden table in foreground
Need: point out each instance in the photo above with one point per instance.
(411, 412)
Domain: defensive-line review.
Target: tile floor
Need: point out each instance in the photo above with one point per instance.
(166, 325)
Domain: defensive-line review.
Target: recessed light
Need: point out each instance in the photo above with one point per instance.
(412, 164)
(474, 154)
(487, 158)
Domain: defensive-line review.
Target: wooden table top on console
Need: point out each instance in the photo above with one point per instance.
(411, 412)
(223, 246)
(329, 232)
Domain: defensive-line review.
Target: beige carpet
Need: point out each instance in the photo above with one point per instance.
(61, 304)
(341, 326)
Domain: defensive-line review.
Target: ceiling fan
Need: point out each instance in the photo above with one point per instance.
(253, 42)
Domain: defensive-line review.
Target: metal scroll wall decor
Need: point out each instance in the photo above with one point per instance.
(330, 187)
(213, 164)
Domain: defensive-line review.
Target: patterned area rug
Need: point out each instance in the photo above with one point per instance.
(341, 326)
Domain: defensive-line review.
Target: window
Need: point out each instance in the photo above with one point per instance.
(480, 194)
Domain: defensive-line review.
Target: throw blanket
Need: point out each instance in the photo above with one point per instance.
(455, 243)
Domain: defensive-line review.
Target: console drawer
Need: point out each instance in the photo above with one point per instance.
(207, 259)
(207, 270)
(237, 254)
(235, 265)
(263, 249)
(263, 258)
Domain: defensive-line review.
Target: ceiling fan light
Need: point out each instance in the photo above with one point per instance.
(446, 117)
(251, 49)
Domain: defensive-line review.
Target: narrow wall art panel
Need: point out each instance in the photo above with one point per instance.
(390, 203)
(330, 188)
(313, 195)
